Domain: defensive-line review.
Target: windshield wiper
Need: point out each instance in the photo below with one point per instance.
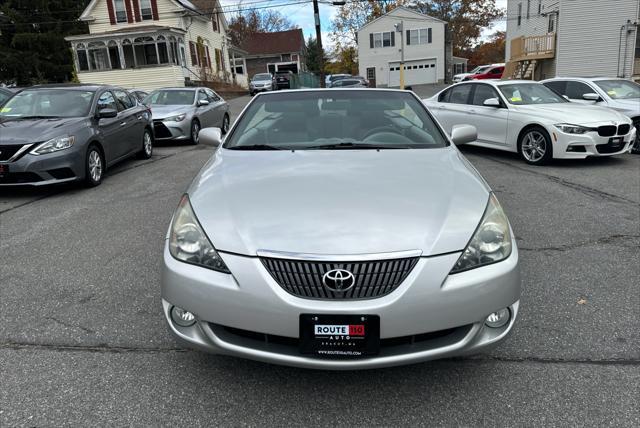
(349, 145)
(257, 147)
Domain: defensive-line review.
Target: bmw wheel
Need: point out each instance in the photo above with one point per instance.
(225, 124)
(535, 147)
(94, 166)
(147, 146)
(195, 132)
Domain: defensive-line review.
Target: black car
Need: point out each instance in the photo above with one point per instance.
(283, 79)
(59, 133)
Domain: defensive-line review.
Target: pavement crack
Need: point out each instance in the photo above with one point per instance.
(545, 360)
(105, 349)
(613, 239)
(589, 191)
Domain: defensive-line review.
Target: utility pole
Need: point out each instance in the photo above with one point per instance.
(316, 17)
(400, 28)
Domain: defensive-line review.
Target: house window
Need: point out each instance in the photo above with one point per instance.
(219, 62)
(552, 23)
(146, 51)
(114, 54)
(419, 37)
(382, 40)
(98, 56)
(539, 7)
(121, 10)
(163, 52)
(528, 8)
(145, 10)
(519, 14)
(127, 52)
(214, 22)
(238, 65)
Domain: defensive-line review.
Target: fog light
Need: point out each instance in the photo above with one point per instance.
(181, 317)
(498, 318)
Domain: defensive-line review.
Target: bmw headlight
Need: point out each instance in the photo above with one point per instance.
(178, 118)
(491, 241)
(567, 128)
(54, 145)
(189, 243)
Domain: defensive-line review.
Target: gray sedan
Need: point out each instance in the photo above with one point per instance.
(54, 134)
(180, 113)
(340, 229)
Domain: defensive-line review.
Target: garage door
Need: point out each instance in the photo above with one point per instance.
(415, 72)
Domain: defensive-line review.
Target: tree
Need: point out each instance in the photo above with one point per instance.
(346, 61)
(32, 45)
(466, 18)
(490, 52)
(313, 55)
(249, 21)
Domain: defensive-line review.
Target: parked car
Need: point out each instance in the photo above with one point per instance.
(330, 78)
(528, 118)
(490, 73)
(349, 83)
(478, 70)
(5, 94)
(60, 133)
(619, 94)
(281, 250)
(180, 113)
(262, 82)
(139, 94)
(283, 79)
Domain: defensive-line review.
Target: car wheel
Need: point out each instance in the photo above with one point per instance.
(636, 145)
(195, 132)
(534, 145)
(225, 124)
(147, 146)
(94, 166)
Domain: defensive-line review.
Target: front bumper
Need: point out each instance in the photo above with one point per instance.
(250, 300)
(255, 90)
(171, 130)
(59, 167)
(570, 146)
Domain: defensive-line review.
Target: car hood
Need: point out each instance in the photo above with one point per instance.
(339, 202)
(577, 114)
(630, 107)
(37, 130)
(163, 111)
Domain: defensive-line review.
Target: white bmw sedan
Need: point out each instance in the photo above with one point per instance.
(528, 118)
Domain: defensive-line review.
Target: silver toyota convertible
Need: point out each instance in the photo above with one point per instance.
(339, 229)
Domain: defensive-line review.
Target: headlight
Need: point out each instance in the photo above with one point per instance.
(178, 118)
(491, 241)
(189, 243)
(54, 145)
(572, 129)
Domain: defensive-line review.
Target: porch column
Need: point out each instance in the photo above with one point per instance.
(121, 54)
(233, 66)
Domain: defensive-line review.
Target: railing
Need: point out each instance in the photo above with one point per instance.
(533, 47)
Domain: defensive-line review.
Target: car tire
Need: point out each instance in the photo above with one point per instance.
(636, 145)
(195, 132)
(94, 166)
(226, 121)
(534, 146)
(147, 145)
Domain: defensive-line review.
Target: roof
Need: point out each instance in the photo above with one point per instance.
(139, 29)
(403, 8)
(274, 43)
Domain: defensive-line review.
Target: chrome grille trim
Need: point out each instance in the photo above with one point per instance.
(338, 257)
(373, 278)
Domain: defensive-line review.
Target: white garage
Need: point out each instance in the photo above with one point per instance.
(417, 72)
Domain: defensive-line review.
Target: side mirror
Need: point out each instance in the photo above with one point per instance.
(463, 134)
(107, 113)
(566, 97)
(491, 102)
(203, 103)
(408, 88)
(211, 136)
(591, 97)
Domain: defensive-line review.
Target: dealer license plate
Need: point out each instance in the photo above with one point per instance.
(339, 336)
(616, 141)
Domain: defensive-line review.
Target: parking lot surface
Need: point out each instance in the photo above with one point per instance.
(83, 339)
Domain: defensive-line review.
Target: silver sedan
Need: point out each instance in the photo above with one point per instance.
(340, 229)
(180, 113)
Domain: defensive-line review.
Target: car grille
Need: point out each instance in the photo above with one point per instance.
(607, 130)
(372, 278)
(6, 152)
(160, 130)
(624, 129)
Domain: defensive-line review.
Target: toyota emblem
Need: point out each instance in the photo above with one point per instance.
(338, 280)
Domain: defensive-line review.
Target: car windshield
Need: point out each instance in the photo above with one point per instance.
(530, 93)
(481, 70)
(48, 103)
(263, 76)
(334, 120)
(173, 97)
(338, 77)
(619, 89)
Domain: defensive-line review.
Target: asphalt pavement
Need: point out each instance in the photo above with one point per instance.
(83, 340)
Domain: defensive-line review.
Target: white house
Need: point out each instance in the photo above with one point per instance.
(379, 45)
(548, 38)
(150, 44)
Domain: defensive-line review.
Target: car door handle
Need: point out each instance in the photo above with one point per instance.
(123, 123)
(443, 107)
(472, 111)
(140, 117)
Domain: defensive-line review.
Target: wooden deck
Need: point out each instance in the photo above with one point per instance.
(533, 47)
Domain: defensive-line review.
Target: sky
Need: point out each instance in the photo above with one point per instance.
(302, 16)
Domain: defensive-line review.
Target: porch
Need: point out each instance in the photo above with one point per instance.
(527, 53)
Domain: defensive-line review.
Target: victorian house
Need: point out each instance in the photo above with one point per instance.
(149, 44)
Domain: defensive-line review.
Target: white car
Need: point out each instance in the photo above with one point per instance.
(528, 118)
(619, 94)
(478, 70)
